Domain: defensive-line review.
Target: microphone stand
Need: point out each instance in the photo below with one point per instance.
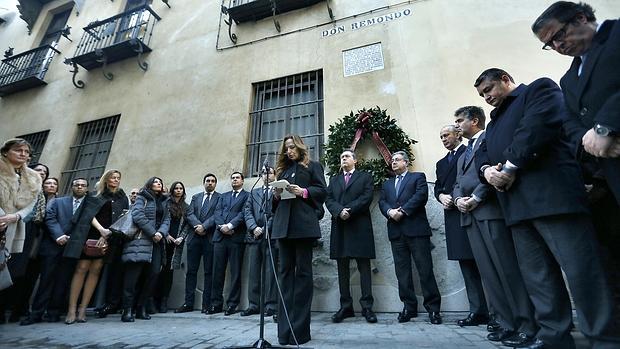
(261, 343)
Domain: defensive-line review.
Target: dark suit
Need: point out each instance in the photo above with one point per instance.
(352, 238)
(200, 247)
(457, 243)
(56, 271)
(258, 250)
(546, 211)
(296, 226)
(228, 249)
(410, 237)
(493, 249)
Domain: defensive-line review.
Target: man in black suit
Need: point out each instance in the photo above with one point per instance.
(228, 246)
(542, 196)
(56, 271)
(348, 200)
(591, 90)
(256, 207)
(201, 217)
(402, 202)
(490, 239)
(457, 243)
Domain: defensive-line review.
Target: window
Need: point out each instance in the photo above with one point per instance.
(54, 30)
(37, 141)
(289, 105)
(89, 153)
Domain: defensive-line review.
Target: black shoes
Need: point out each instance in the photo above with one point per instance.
(142, 314)
(249, 311)
(127, 316)
(30, 320)
(370, 316)
(500, 335)
(519, 340)
(53, 317)
(342, 314)
(434, 317)
(537, 344)
(473, 320)
(214, 310)
(493, 325)
(270, 312)
(150, 306)
(106, 310)
(163, 305)
(184, 309)
(230, 310)
(406, 315)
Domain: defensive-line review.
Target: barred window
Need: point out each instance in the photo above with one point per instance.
(89, 154)
(37, 141)
(288, 105)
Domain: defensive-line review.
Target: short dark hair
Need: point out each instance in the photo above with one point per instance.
(209, 175)
(472, 112)
(237, 172)
(350, 151)
(402, 153)
(37, 164)
(13, 142)
(79, 179)
(563, 12)
(492, 74)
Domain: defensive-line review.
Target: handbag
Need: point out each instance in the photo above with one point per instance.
(92, 250)
(5, 275)
(125, 225)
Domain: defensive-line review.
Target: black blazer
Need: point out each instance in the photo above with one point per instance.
(229, 211)
(299, 218)
(412, 198)
(526, 129)
(207, 220)
(353, 237)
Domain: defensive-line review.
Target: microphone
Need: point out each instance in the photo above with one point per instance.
(265, 167)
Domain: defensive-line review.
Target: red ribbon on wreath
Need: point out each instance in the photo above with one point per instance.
(362, 127)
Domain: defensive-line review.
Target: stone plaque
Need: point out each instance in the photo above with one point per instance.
(363, 59)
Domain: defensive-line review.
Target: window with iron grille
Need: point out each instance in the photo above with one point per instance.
(288, 105)
(89, 154)
(37, 141)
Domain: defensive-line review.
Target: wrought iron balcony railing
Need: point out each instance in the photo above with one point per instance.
(25, 70)
(125, 35)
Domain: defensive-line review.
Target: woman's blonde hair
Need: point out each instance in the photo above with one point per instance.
(102, 184)
(283, 160)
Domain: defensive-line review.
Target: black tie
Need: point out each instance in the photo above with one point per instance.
(450, 155)
(469, 151)
(205, 205)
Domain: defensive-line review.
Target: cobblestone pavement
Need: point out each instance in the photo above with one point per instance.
(195, 330)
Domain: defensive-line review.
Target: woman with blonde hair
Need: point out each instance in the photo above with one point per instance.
(96, 216)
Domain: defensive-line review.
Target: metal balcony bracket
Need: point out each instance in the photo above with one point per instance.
(329, 11)
(66, 32)
(139, 49)
(229, 22)
(166, 2)
(273, 15)
(102, 58)
(79, 83)
(9, 52)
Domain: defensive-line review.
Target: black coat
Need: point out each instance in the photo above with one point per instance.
(119, 204)
(299, 218)
(412, 199)
(457, 242)
(594, 97)
(353, 237)
(81, 225)
(144, 213)
(526, 129)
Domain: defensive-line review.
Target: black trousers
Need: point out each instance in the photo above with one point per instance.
(494, 251)
(473, 287)
(344, 282)
(164, 280)
(419, 248)
(53, 291)
(547, 246)
(227, 253)
(259, 253)
(135, 271)
(199, 248)
(297, 289)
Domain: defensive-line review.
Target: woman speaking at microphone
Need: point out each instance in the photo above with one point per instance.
(296, 226)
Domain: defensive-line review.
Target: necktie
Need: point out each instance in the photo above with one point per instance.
(347, 177)
(76, 204)
(205, 205)
(450, 155)
(235, 193)
(469, 150)
(399, 179)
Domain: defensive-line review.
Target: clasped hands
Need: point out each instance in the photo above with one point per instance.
(345, 213)
(501, 181)
(466, 204)
(601, 146)
(396, 213)
(225, 229)
(172, 240)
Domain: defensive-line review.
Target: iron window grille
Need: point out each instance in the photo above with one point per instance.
(288, 105)
(37, 141)
(89, 154)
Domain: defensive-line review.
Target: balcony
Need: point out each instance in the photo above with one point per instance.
(125, 35)
(252, 10)
(25, 70)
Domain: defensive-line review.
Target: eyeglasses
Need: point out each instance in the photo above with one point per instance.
(558, 36)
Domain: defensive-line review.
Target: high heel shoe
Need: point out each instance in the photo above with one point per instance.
(70, 318)
(81, 317)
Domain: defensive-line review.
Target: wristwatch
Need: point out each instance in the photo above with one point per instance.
(603, 131)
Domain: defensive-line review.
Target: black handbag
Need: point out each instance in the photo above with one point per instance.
(125, 225)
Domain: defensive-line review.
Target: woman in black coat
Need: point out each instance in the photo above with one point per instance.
(296, 227)
(144, 254)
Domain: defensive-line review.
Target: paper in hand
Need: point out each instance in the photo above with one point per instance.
(282, 184)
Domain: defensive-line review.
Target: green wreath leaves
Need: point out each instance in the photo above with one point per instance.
(342, 134)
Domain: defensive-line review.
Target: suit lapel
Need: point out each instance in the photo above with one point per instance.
(593, 54)
(403, 183)
(473, 152)
(353, 178)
